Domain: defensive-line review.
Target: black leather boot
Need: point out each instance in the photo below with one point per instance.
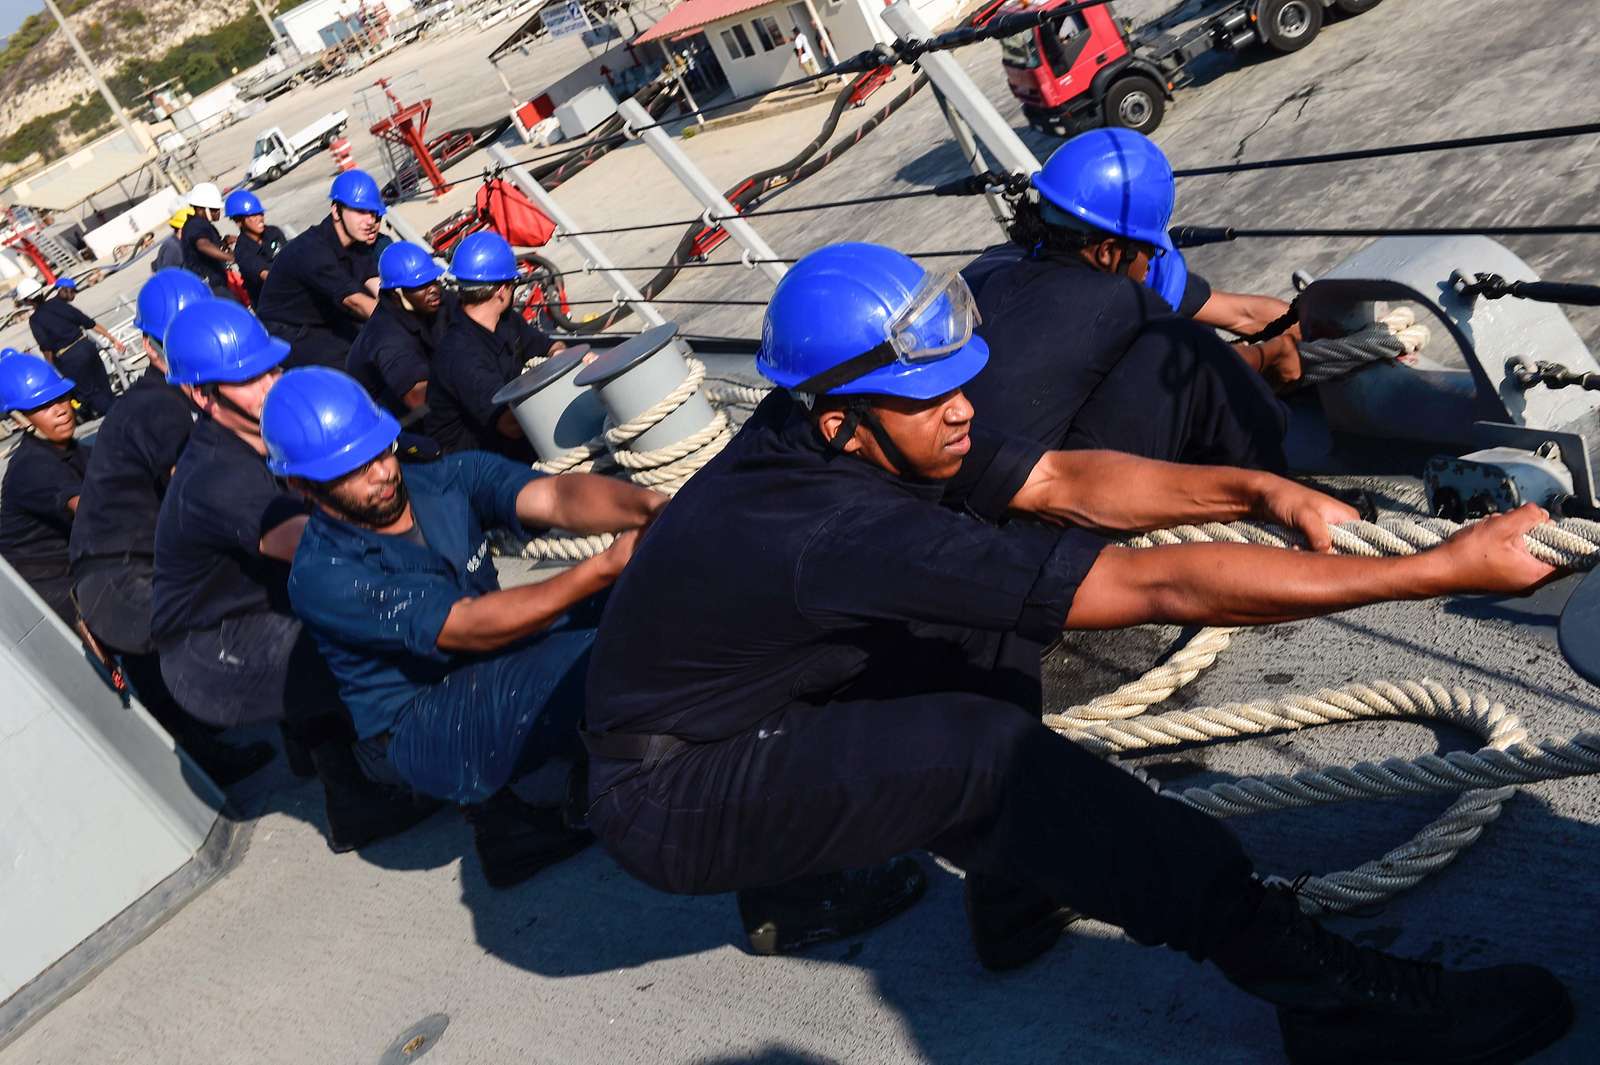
(515, 840)
(789, 917)
(1011, 924)
(1339, 1002)
(361, 811)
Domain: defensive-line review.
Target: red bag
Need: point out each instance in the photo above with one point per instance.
(513, 215)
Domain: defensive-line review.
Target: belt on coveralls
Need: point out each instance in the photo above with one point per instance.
(647, 749)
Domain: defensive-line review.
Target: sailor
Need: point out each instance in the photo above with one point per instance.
(169, 252)
(393, 355)
(257, 244)
(205, 253)
(232, 651)
(1085, 355)
(485, 345)
(826, 652)
(59, 329)
(114, 534)
(457, 687)
(43, 478)
(324, 283)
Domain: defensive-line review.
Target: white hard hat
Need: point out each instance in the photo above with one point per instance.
(206, 195)
(28, 287)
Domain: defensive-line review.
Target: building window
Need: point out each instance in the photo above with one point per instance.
(737, 42)
(769, 34)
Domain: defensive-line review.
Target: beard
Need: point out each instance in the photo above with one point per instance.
(373, 515)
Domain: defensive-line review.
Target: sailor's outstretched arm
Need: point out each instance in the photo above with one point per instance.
(1111, 491)
(1238, 584)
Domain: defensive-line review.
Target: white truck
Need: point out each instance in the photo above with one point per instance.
(276, 153)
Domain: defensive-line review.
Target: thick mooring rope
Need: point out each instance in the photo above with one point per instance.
(1119, 722)
(1394, 336)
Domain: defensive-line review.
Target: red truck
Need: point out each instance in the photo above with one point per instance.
(1091, 69)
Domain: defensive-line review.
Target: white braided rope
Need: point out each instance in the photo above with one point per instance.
(1393, 336)
(1118, 722)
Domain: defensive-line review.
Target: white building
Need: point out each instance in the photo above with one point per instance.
(754, 39)
(319, 24)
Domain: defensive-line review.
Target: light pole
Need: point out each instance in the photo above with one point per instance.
(99, 82)
(272, 27)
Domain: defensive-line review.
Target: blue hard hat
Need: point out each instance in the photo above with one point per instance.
(218, 341)
(845, 300)
(164, 295)
(67, 283)
(242, 203)
(320, 424)
(407, 265)
(27, 382)
(357, 189)
(484, 257)
(1113, 179)
(1168, 276)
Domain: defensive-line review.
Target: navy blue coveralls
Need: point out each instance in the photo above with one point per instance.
(1085, 359)
(472, 365)
(849, 661)
(114, 537)
(231, 650)
(59, 329)
(302, 300)
(35, 521)
(213, 272)
(394, 352)
(255, 256)
(455, 726)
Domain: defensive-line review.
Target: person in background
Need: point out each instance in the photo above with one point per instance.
(393, 355)
(257, 243)
(62, 333)
(169, 253)
(205, 253)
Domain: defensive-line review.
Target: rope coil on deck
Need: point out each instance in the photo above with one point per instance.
(1118, 722)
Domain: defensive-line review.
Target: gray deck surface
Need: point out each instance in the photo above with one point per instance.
(301, 956)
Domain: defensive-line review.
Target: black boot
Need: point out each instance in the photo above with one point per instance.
(1338, 1002)
(361, 811)
(1011, 925)
(298, 752)
(225, 763)
(515, 840)
(788, 917)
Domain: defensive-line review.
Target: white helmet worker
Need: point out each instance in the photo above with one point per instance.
(206, 195)
(28, 287)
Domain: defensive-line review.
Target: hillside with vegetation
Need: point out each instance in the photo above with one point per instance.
(47, 101)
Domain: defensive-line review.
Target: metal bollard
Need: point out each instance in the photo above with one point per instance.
(636, 375)
(556, 414)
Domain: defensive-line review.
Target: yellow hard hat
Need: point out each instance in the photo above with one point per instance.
(179, 217)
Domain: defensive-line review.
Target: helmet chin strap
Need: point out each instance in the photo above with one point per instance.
(216, 393)
(858, 412)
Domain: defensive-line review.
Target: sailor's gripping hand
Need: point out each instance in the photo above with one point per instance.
(1306, 510)
(1491, 556)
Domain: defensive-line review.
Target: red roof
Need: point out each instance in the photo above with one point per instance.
(692, 14)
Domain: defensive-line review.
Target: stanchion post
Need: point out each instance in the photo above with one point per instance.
(573, 232)
(947, 76)
(998, 207)
(700, 186)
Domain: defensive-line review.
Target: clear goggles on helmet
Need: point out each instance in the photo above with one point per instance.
(937, 320)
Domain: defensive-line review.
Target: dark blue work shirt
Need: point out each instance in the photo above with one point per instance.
(1196, 291)
(302, 300)
(56, 325)
(774, 573)
(40, 480)
(209, 566)
(1079, 358)
(135, 451)
(212, 271)
(376, 602)
(394, 352)
(470, 365)
(168, 253)
(256, 256)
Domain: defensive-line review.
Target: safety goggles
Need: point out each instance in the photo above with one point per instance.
(936, 320)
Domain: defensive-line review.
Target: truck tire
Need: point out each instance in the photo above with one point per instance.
(1289, 25)
(328, 138)
(274, 173)
(1134, 102)
(1354, 7)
